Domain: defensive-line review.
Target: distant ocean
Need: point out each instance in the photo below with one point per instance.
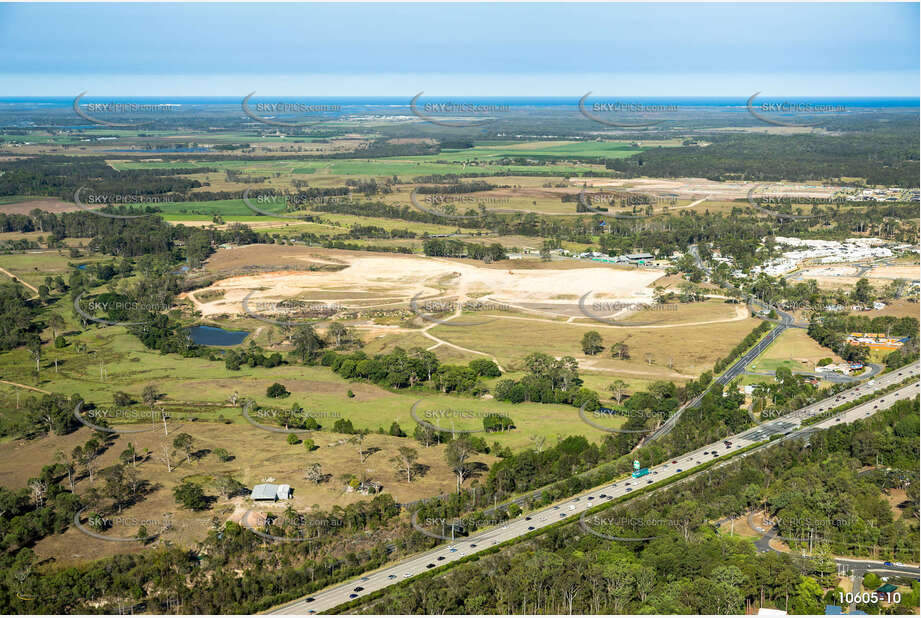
(516, 102)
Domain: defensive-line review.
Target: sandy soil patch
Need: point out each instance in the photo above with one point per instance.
(273, 256)
(895, 272)
(695, 187)
(45, 204)
(829, 271)
(740, 527)
(407, 276)
(895, 497)
(902, 308)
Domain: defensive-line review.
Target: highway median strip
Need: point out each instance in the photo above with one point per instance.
(658, 485)
(812, 420)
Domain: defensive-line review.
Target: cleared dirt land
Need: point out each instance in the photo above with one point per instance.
(690, 187)
(902, 308)
(529, 306)
(846, 275)
(403, 277)
(910, 272)
(45, 204)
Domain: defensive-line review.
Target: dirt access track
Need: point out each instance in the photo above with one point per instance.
(379, 279)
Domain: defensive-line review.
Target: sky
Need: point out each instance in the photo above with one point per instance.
(510, 49)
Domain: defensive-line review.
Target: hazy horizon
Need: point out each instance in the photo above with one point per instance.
(815, 50)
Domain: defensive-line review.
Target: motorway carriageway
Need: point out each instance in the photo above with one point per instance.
(419, 563)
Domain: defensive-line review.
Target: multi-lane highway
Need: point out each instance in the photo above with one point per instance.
(789, 424)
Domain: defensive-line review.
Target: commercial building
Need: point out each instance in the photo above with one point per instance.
(876, 341)
(639, 258)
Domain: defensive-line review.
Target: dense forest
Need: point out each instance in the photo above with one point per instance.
(61, 176)
(890, 158)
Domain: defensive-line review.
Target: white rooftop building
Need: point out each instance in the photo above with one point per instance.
(831, 251)
(776, 267)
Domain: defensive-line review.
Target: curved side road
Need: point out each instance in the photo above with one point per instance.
(788, 426)
(855, 564)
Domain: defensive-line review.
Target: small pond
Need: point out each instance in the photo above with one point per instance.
(212, 335)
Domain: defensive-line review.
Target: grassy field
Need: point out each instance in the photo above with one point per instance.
(258, 456)
(33, 267)
(196, 392)
(404, 167)
(115, 360)
(490, 152)
(688, 349)
(13, 199)
(485, 156)
(795, 350)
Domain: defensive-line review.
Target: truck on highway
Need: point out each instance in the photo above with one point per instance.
(641, 472)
